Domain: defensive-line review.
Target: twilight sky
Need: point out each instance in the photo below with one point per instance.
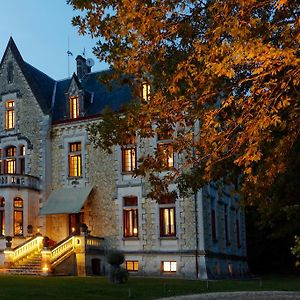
(41, 29)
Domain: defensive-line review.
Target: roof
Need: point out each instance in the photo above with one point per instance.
(41, 84)
(66, 201)
(45, 89)
(99, 95)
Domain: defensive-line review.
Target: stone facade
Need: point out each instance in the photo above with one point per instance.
(207, 237)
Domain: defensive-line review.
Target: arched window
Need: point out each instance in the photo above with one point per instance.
(18, 216)
(10, 160)
(2, 216)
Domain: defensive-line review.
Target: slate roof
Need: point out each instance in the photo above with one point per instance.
(45, 88)
(99, 95)
(41, 84)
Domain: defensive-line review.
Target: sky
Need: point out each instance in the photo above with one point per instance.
(41, 30)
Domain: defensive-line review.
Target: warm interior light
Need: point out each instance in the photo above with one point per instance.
(45, 269)
(38, 230)
(135, 230)
(73, 229)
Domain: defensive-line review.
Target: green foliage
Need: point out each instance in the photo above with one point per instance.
(229, 68)
(296, 250)
(115, 257)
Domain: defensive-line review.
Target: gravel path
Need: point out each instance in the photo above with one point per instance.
(240, 296)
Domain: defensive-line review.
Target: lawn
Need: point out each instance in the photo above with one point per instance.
(28, 287)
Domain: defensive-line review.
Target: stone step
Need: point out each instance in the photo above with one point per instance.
(23, 272)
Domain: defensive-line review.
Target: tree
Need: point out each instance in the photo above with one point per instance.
(224, 73)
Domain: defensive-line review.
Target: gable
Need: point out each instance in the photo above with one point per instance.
(40, 84)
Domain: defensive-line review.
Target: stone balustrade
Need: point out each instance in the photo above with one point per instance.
(20, 181)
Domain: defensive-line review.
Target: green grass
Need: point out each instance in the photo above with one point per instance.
(28, 287)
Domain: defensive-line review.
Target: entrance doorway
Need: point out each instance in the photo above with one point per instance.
(74, 222)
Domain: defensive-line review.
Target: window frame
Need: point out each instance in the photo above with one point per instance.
(166, 156)
(145, 91)
(213, 223)
(163, 262)
(130, 217)
(167, 204)
(75, 159)
(129, 156)
(18, 210)
(74, 107)
(10, 160)
(2, 216)
(135, 265)
(10, 114)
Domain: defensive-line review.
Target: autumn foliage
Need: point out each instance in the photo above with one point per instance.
(223, 73)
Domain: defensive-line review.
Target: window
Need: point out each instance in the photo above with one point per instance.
(169, 266)
(75, 159)
(74, 222)
(2, 216)
(18, 216)
(165, 153)
(10, 114)
(22, 159)
(237, 224)
(167, 216)
(146, 91)
(1, 170)
(130, 217)
(10, 72)
(132, 265)
(10, 160)
(226, 224)
(129, 156)
(74, 107)
(213, 224)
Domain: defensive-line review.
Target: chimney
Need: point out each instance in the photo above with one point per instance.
(82, 68)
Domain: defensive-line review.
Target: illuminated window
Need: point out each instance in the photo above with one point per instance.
(18, 216)
(74, 107)
(2, 217)
(10, 160)
(10, 114)
(22, 159)
(167, 216)
(146, 91)
(129, 156)
(169, 266)
(165, 152)
(130, 217)
(132, 265)
(75, 159)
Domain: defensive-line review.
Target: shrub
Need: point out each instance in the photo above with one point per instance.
(115, 257)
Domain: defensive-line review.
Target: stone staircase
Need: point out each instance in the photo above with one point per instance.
(30, 265)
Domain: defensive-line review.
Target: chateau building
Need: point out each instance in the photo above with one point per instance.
(53, 181)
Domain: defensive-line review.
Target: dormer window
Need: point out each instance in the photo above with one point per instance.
(74, 107)
(146, 91)
(10, 114)
(10, 72)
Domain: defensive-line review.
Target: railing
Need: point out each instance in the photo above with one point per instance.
(93, 242)
(16, 180)
(30, 246)
(62, 248)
